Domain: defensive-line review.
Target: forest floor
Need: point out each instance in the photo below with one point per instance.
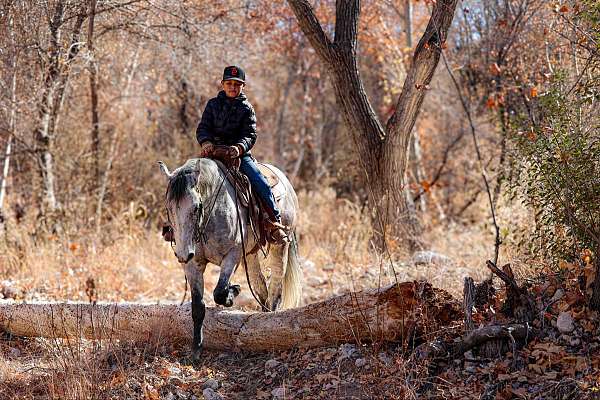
(561, 362)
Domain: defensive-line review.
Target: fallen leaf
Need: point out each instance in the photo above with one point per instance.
(533, 92)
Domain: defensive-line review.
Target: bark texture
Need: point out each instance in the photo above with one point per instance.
(389, 314)
(93, 69)
(50, 103)
(383, 152)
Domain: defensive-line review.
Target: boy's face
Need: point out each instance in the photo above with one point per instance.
(232, 88)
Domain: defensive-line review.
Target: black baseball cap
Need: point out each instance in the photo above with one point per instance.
(234, 73)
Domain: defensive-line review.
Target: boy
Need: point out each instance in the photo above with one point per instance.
(229, 120)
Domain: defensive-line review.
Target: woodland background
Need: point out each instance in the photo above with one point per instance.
(93, 93)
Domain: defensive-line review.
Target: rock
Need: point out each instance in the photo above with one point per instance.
(211, 383)
(169, 396)
(430, 258)
(14, 352)
(470, 367)
(278, 393)
(557, 295)
(360, 362)
(314, 281)
(8, 290)
(210, 394)
(575, 342)
(564, 322)
(347, 350)
(384, 358)
(272, 364)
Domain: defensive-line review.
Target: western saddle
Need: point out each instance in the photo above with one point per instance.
(259, 215)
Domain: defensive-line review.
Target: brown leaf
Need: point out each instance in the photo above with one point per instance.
(533, 92)
(495, 69)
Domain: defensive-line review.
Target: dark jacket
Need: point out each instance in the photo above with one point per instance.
(228, 122)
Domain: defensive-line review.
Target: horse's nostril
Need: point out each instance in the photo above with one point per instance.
(189, 257)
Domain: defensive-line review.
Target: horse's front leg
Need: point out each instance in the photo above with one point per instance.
(194, 273)
(224, 293)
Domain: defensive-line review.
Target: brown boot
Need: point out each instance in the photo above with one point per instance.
(277, 233)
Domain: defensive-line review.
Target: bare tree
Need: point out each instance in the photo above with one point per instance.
(382, 150)
(12, 119)
(59, 60)
(93, 68)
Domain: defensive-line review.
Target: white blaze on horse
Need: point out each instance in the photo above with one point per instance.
(209, 226)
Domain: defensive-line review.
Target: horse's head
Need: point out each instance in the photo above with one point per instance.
(184, 208)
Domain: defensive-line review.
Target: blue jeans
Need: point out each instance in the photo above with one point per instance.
(259, 183)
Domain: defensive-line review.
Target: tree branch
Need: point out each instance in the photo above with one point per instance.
(487, 333)
(347, 13)
(312, 28)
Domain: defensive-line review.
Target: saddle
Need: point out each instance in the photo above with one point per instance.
(259, 215)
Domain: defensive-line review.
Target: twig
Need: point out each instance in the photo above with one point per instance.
(497, 241)
(493, 332)
(438, 173)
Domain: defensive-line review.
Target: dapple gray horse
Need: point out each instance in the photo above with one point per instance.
(201, 205)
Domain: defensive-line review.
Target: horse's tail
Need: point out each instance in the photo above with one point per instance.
(292, 280)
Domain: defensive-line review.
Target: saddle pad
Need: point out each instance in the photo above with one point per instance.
(276, 186)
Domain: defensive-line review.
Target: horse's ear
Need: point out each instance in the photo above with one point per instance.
(164, 169)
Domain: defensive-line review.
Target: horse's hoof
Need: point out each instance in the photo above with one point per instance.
(196, 356)
(229, 301)
(235, 289)
(221, 297)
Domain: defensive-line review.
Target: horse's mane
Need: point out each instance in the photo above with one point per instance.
(201, 174)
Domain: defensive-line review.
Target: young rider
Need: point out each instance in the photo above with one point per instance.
(229, 120)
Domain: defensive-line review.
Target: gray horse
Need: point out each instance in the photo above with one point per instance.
(201, 204)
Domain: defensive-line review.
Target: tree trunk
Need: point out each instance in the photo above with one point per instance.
(390, 314)
(93, 68)
(415, 144)
(55, 81)
(381, 152)
(12, 122)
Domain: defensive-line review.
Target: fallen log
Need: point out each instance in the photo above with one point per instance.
(389, 314)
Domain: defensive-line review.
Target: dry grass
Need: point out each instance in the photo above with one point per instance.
(130, 263)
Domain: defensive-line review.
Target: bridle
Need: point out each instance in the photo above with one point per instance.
(198, 230)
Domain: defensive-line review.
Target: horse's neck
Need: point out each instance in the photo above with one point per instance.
(212, 185)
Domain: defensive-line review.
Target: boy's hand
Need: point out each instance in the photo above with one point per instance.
(206, 149)
(234, 151)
